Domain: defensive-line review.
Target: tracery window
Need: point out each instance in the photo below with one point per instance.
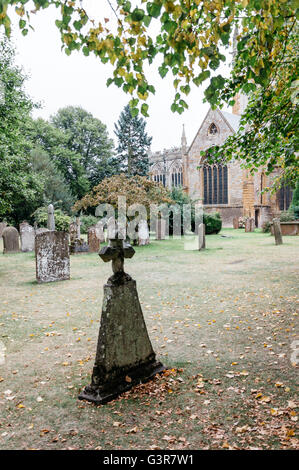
(177, 176)
(213, 129)
(215, 184)
(158, 176)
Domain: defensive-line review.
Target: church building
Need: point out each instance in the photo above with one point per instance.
(226, 188)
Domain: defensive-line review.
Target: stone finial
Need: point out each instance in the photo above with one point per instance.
(51, 218)
(184, 140)
(117, 251)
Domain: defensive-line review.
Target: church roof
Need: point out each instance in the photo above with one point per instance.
(232, 119)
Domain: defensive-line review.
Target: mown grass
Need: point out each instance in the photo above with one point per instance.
(225, 317)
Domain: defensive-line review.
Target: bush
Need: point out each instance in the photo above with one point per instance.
(62, 220)
(87, 221)
(296, 212)
(287, 216)
(212, 222)
(266, 227)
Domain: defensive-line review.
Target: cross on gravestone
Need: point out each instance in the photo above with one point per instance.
(124, 356)
(51, 217)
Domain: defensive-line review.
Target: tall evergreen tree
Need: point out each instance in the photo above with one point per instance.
(133, 144)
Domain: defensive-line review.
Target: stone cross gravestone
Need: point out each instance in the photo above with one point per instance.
(27, 235)
(277, 231)
(10, 237)
(93, 240)
(160, 229)
(124, 356)
(52, 256)
(201, 237)
(143, 233)
(51, 217)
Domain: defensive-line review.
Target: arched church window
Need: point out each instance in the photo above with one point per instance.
(215, 184)
(284, 195)
(212, 129)
(158, 176)
(177, 176)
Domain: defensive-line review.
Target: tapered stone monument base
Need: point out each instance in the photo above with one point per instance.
(125, 356)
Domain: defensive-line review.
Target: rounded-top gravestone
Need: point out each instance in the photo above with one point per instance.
(11, 243)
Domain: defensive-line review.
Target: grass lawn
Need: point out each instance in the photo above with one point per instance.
(223, 320)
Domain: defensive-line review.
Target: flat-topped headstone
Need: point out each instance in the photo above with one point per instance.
(27, 235)
(2, 227)
(143, 233)
(160, 229)
(52, 256)
(124, 356)
(201, 237)
(277, 231)
(93, 240)
(10, 237)
(51, 217)
(236, 222)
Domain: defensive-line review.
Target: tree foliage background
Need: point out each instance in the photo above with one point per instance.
(187, 38)
(133, 144)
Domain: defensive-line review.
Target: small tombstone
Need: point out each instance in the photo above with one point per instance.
(277, 231)
(201, 237)
(78, 224)
(236, 222)
(160, 229)
(73, 232)
(10, 237)
(100, 232)
(252, 224)
(52, 256)
(249, 224)
(27, 235)
(79, 246)
(143, 233)
(124, 356)
(111, 228)
(2, 227)
(93, 240)
(51, 217)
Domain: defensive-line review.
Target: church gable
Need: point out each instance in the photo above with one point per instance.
(214, 130)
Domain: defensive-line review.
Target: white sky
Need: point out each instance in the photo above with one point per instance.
(57, 80)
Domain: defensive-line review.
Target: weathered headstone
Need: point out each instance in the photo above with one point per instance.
(2, 227)
(78, 224)
(277, 231)
(249, 224)
(236, 222)
(79, 245)
(111, 228)
(160, 229)
(125, 356)
(93, 240)
(27, 235)
(10, 237)
(201, 237)
(73, 232)
(143, 233)
(252, 224)
(51, 217)
(100, 231)
(52, 256)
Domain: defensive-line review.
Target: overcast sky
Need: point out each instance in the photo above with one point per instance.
(57, 80)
